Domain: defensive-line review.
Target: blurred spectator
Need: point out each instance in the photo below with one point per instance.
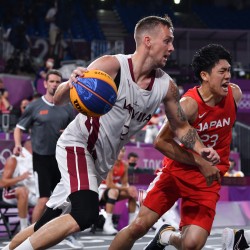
(115, 188)
(54, 30)
(57, 45)
(2, 88)
(20, 58)
(5, 105)
(36, 96)
(153, 126)
(23, 105)
(18, 112)
(232, 172)
(41, 74)
(18, 181)
(132, 160)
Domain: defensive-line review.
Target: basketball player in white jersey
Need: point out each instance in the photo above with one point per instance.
(88, 147)
(19, 183)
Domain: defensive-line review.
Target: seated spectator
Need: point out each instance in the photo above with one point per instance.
(232, 172)
(132, 160)
(19, 183)
(153, 126)
(115, 188)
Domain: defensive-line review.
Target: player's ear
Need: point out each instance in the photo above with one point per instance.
(147, 41)
(204, 75)
(45, 84)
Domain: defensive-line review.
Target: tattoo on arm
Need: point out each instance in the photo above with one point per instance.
(176, 95)
(181, 114)
(175, 92)
(190, 138)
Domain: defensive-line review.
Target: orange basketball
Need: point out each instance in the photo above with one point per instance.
(94, 94)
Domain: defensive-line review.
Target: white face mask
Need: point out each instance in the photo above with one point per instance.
(50, 64)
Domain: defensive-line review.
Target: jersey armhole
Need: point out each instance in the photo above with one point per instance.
(118, 78)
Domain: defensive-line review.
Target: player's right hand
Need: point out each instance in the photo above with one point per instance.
(17, 150)
(25, 175)
(79, 71)
(210, 155)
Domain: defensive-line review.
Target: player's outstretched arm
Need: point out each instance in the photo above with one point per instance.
(179, 124)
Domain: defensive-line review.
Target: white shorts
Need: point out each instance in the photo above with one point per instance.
(78, 173)
(101, 190)
(151, 133)
(103, 187)
(10, 197)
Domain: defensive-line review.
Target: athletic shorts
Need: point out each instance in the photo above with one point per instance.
(102, 188)
(198, 202)
(47, 172)
(78, 173)
(10, 197)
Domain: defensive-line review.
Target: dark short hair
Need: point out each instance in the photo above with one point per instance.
(132, 154)
(207, 57)
(53, 72)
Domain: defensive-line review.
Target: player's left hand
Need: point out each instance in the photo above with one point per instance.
(210, 155)
(211, 173)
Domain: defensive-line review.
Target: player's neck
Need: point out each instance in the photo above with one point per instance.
(49, 98)
(142, 72)
(208, 97)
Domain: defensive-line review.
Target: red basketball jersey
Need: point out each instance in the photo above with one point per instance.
(118, 172)
(214, 126)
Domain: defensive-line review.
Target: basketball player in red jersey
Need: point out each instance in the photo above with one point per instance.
(211, 109)
(115, 188)
(89, 146)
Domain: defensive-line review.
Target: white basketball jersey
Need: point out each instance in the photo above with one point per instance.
(103, 137)
(24, 163)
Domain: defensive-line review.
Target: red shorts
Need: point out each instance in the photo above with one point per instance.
(198, 200)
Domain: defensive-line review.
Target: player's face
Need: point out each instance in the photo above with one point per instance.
(161, 45)
(52, 84)
(219, 78)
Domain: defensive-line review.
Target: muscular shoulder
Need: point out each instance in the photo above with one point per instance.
(10, 163)
(190, 108)
(237, 94)
(107, 63)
